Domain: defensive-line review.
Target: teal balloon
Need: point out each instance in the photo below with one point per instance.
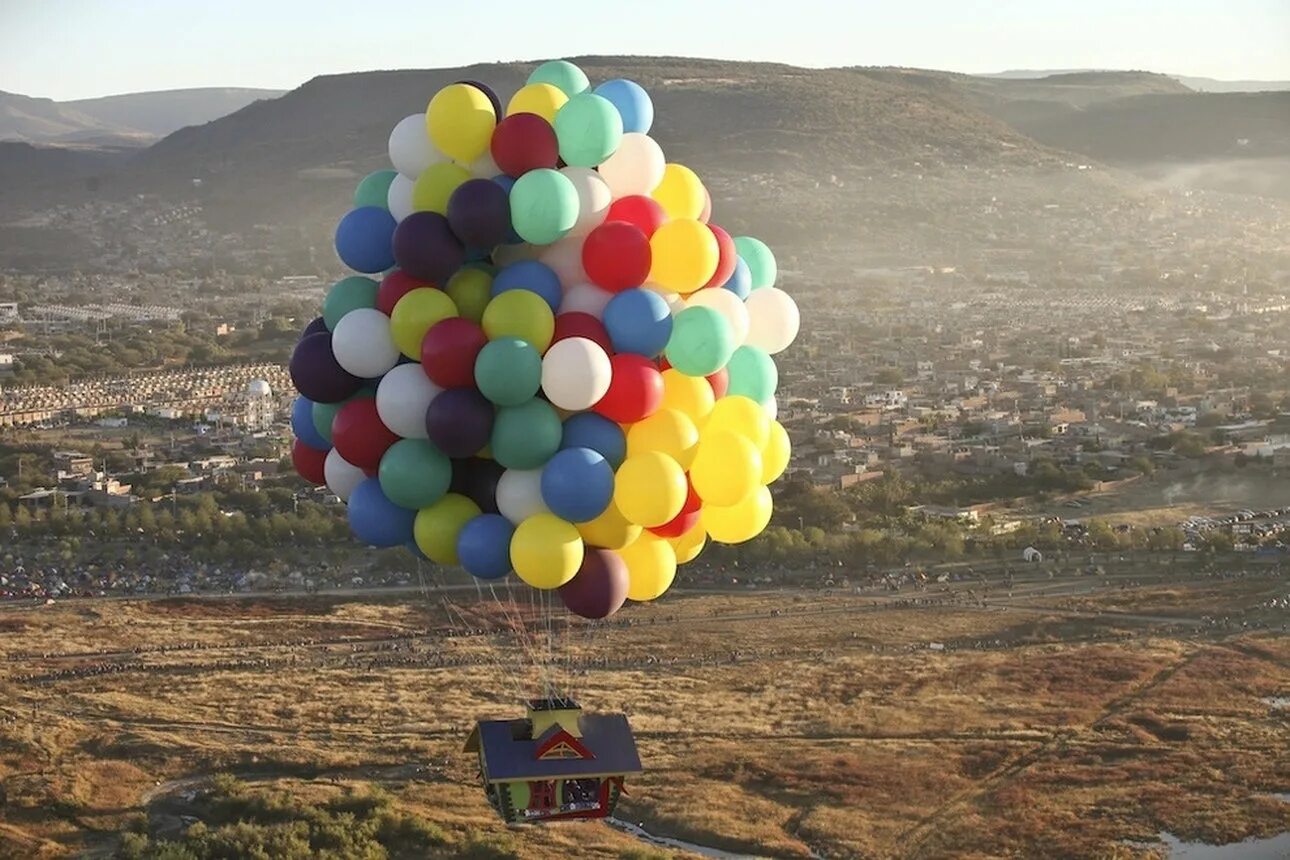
(760, 260)
(323, 414)
(544, 206)
(563, 75)
(753, 374)
(525, 436)
(374, 189)
(588, 129)
(701, 342)
(508, 371)
(414, 474)
(346, 295)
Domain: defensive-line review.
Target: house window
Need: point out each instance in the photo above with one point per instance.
(581, 791)
(541, 794)
(561, 750)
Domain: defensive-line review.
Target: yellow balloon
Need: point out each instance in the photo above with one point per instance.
(669, 431)
(470, 290)
(546, 551)
(650, 489)
(726, 468)
(681, 193)
(460, 120)
(522, 314)
(775, 453)
(610, 530)
(741, 415)
(689, 545)
(435, 528)
(414, 314)
(684, 254)
(691, 395)
(651, 567)
(435, 185)
(545, 100)
(739, 522)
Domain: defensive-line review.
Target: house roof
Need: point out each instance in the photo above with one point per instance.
(509, 753)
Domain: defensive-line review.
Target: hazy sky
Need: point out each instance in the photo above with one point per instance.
(78, 48)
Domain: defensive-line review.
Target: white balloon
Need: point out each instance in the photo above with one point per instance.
(575, 373)
(402, 398)
(636, 167)
(772, 407)
(504, 255)
(399, 198)
(362, 343)
(773, 319)
(410, 148)
(341, 475)
(519, 494)
(675, 302)
(725, 303)
(484, 167)
(585, 298)
(593, 198)
(565, 259)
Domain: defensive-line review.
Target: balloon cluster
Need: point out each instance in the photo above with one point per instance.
(564, 370)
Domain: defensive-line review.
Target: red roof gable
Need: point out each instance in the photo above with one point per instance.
(555, 740)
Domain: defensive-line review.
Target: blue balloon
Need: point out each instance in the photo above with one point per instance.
(484, 546)
(595, 431)
(638, 320)
(377, 521)
(365, 239)
(740, 280)
(531, 275)
(633, 103)
(302, 424)
(577, 484)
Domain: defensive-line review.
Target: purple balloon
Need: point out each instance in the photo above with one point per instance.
(316, 326)
(488, 91)
(599, 588)
(426, 249)
(316, 373)
(459, 422)
(476, 479)
(479, 212)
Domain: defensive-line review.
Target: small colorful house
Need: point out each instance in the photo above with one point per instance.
(557, 763)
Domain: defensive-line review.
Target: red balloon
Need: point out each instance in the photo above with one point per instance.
(644, 212)
(720, 382)
(578, 324)
(309, 463)
(687, 519)
(449, 350)
(395, 286)
(726, 260)
(663, 363)
(635, 389)
(359, 435)
(524, 142)
(616, 256)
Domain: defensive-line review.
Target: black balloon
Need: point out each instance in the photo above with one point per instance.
(426, 248)
(479, 213)
(476, 478)
(316, 373)
(316, 326)
(459, 422)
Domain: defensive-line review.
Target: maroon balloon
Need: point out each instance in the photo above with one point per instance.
(488, 91)
(359, 434)
(316, 373)
(476, 478)
(309, 462)
(599, 588)
(524, 142)
(395, 286)
(616, 256)
(727, 257)
(644, 212)
(578, 324)
(316, 326)
(460, 422)
(479, 212)
(449, 350)
(425, 247)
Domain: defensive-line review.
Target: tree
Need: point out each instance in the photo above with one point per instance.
(889, 376)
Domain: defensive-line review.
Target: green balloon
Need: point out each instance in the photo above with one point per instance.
(544, 206)
(374, 189)
(346, 295)
(508, 371)
(589, 129)
(414, 474)
(563, 75)
(324, 414)
(753, 374)
(526, 436)
(701, 342)
(760, 260)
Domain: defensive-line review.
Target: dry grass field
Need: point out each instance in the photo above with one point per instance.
(770, 724)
